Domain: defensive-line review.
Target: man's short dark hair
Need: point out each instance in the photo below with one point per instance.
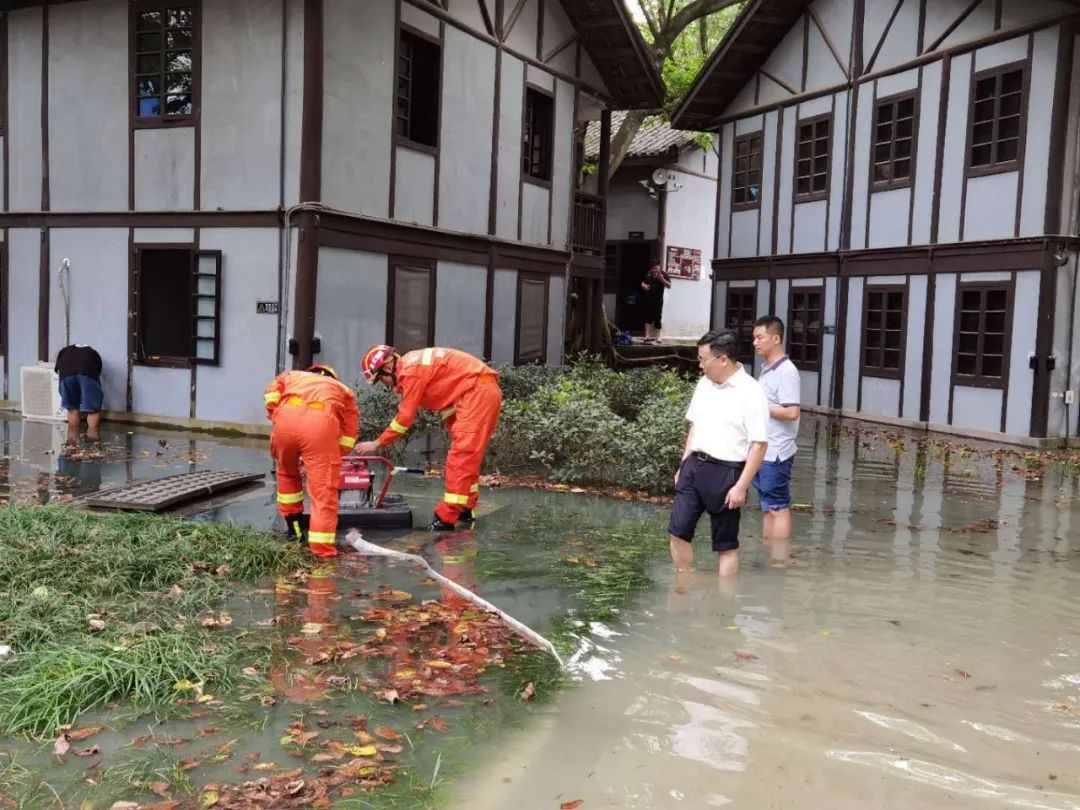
(721, 342)
(772, 325)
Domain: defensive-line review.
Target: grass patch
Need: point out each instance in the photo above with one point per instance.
(104, 609)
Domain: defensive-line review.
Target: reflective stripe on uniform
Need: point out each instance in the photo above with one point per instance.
(320, 538)
(397, 427)
(300, 401)
(457, 500)
(290, 497)
(447, 413)
(272, 397)
(427, 357)
(474, 488)
(347, 441)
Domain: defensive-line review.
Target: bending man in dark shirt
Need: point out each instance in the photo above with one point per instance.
(79, 367)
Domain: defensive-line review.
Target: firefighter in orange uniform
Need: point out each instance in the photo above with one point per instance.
(315, 419)
(466, 394)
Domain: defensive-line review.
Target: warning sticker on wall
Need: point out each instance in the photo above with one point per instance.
(683, 262)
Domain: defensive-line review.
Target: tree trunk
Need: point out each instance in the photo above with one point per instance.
(620, 142)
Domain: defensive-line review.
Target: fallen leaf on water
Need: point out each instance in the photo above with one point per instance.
(963, 674)
(380, 633)
(139, 741)
(394, 596)
(320, 758)
(169, 805)
(439, 724)
(266, 766)
(440, 664)
(576, 803)
(390, 749)
(680, 589)
(96, 625)
(732, 627)
(388, 695)
(88, 752)
(529, 692)
(894, 621)
(80, 734)
(209, 799)
(190, 763)
(364, 738)
(387, 733)
(311, 628)
(419, 707)
(743, 656)
(161, 789)
(124, 806)
(60, 747)
(826, 632)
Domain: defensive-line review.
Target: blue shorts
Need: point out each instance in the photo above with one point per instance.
(81, 393)
(773, 483)
(703, 487)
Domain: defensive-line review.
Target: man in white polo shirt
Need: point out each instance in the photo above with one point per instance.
(728, 417)
(783, 388)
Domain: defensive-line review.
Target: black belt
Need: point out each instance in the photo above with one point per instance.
(735, 465)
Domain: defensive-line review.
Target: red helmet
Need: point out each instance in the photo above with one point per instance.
(325, 371)
(376, 359)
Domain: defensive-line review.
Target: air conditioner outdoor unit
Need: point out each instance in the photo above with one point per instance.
(41, 393)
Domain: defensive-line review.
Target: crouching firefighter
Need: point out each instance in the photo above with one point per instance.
(466, 394)
(315, 420)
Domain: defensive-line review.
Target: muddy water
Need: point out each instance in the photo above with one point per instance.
(920, 649)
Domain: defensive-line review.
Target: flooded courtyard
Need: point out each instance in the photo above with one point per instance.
(918, 648)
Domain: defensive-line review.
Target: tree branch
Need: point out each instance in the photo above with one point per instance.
(688, 14)
(647, 13)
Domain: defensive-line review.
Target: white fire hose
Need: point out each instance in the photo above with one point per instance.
(356, 540)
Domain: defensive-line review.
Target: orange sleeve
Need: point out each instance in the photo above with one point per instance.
(412, 391)
(273, 393)
(349, 419)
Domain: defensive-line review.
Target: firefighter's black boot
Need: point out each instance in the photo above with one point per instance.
(296, 527)
(466, 518)
(440, 525)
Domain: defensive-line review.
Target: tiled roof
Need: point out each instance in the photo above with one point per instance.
(654, 138)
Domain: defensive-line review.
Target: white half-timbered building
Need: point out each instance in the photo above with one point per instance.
(243, 185)
(898, 183)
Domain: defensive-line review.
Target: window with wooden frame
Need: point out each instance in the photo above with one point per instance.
(418, 89)
(804, 327)
(746, 172)
(741, 313)
(163, 62)
(884, 324)
(166, 331)
(812, 159)
(532, 319)
(996, 120)
(411, 304)
(983, 331)
(894, 142)
(537, 135)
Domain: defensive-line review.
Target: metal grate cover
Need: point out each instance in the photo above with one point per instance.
(163, 493)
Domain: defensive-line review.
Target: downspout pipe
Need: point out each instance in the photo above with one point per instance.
(279, 359)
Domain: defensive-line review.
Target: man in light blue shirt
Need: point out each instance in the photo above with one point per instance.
(783, 389)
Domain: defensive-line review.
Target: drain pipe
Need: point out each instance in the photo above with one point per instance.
(1074, 230)
(280, 358)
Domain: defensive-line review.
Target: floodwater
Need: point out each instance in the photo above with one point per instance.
(920, 648)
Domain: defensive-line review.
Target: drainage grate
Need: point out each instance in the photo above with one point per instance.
(163, 493)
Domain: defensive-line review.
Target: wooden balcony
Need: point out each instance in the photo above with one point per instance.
(588, 234)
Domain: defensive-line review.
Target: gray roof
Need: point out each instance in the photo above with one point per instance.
(656, 137)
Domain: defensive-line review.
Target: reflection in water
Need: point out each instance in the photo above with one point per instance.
(917, 650)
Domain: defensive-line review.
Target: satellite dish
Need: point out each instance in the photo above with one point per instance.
(660, 177)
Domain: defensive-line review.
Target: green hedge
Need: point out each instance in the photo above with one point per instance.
(580, 424)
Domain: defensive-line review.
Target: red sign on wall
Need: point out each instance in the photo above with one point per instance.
(683, 262)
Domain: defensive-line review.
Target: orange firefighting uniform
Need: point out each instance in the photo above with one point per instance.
(466, 394)
(315, 418)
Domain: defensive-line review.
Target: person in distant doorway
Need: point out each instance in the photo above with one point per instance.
(79, 369)
(725, 444)
(653, 285)
(783, 389)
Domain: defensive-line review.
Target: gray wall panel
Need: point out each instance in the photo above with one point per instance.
(942, 355)
(991, 206)
(509, 169)
(810, 227)
(897, 83)
(768, 188)
(417, 18)
(977, 408)
(1063, 377)
(952, 177)
(1021, 376)
(241, 103)
(294, 98)
(149, 236)
(97, 290)
(24, 249)
(926, 152)
(523, 35)
(230, 391)
(557, 30)
(1037, 147)
(459, 308)
(1011, 50)
(556, 317)
(744, 233)
(782, 287)
(828, 342)
(880, 397)
(864, 122)
(23, 125)
(916, 334)
(562, 169)
(763, 300)
(889, 217)
(853, 345)
(163, 392)
(631, 209)
(689, 225)
(534, 213)
(719, 302)
(787, 170)
(350, 311)
(88, 144)
(465, 137)
(359, 86)
(414, 181)
(809, 387)
(979, 22)
(745, 126)
(820, 64)
(727, 151)
(165, 169)
(899, 45)
(836, 181)
(785, 62)
(504, 316)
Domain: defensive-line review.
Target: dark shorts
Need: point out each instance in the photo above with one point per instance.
(703, 486)
(81, 393)
(773, 483)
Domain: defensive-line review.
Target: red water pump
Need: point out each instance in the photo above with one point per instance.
(358, 504)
